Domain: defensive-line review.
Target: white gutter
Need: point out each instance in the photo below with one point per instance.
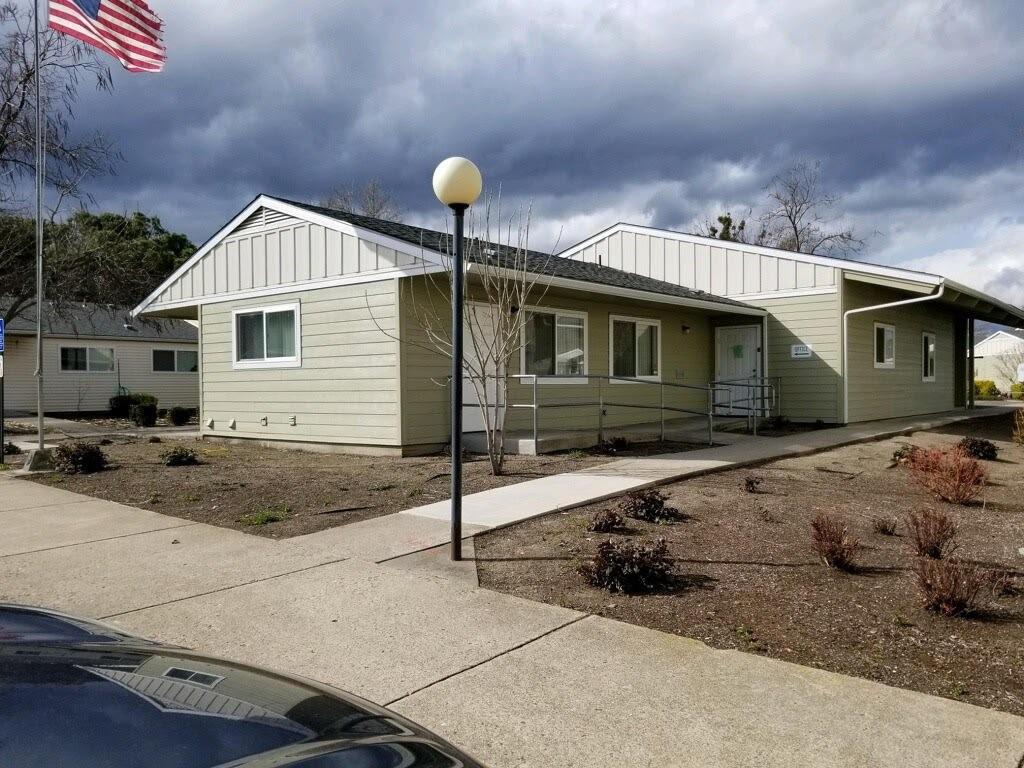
(846, 338)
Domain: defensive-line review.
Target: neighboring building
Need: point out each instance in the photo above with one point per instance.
(1000, 358)
(309, 335)
(92, 352)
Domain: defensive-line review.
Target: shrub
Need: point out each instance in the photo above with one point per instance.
(904, 453)
(951, 474)
(1017, 391)
(885, 525)
(752, 484)
(1001, 582)
(143, 414)
(180, 456)
(950, 587)
(932, 533)
(179, 416)
(121, 405)
(10, 449)
(831, 539)
(986, 389)
(613, 446)
(648, 504)
(606, 521)
(79, 458)
(976, 448)
(630, 568)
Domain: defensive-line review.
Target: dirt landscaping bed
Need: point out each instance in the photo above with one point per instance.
(750, 580)
(280, 493)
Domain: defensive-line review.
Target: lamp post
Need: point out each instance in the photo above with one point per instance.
(457, 184)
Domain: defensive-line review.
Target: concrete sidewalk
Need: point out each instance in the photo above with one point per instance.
(518, 683)
(512, 503)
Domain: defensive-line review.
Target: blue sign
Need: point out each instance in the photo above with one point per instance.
(1, 334)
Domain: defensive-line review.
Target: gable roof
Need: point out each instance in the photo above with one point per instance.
(1013, 333)
(427, 249)
(101, 321)
(536, 262)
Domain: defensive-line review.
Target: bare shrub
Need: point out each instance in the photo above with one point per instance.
(630, 568)
(832, 540)
(752, 483)
(606, 521)
(932, 533)
(950, 587)
(648, 504)
(951, 475)
(885, 525)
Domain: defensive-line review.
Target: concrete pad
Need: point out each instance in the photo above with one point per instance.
(108, 577)
(501, 506)
(380, 538)
(24, 494)
(362, 627)
(62, 525)
(602, 693)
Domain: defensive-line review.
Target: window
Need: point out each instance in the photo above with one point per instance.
(635, 348)
(175, 361)
(87, 359)
(267, 337)
(885, 346)
(190, 675)
(927, 356)
(555, 343)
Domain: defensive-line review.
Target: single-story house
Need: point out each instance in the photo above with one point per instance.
(92, 352)
(309, 332)
(1000, 358)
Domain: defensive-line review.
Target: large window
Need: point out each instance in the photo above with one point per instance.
(885, 345)
(87, 359)
(555, 343)
(175, 361)
(635, 348)
(927, 356)
(267, 337)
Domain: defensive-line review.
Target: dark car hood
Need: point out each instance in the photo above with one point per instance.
(77, 693)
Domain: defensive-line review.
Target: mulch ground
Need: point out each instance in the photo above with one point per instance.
(750, 580)
(310, 491)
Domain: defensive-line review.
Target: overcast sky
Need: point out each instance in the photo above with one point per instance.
(651, 112)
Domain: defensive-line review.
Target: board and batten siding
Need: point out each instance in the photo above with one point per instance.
(270, 250)
(882, 393)
(346, 390)
(74, 391)
(723, 270)
(811, 388)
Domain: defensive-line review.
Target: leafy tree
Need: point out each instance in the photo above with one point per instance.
(371, 199)
(106, 258)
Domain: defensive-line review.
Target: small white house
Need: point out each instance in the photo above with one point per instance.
(92, 352)
(1000, 358)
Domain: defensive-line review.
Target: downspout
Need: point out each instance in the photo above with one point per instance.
(846, 338)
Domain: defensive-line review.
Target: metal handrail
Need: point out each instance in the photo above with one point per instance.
(759, 408)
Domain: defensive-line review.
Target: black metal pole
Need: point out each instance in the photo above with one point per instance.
(456, 440)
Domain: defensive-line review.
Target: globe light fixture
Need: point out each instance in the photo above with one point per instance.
(457, 184)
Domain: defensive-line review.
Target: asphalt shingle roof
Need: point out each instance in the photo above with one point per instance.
(536, 262)
(102, 321)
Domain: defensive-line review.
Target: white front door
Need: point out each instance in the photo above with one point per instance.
(483, 322)
(737, 358)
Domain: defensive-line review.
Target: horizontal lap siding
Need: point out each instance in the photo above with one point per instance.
(346, 390)
(69, 391)
(685, 359)
(888, 393)
(1002, 369)
(811, 388)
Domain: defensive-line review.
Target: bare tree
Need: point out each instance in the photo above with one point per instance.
(800, 216)
(64, 64)
(727, 228)
(502, 277)
(1009, 364)
(371, 199)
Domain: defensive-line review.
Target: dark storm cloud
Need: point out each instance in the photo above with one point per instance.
(658, 111)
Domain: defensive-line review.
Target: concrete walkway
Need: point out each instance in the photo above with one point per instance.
(374, 608)
(512, 503)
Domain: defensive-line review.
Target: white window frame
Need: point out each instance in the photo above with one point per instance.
(152, 362)
(611, 345)
(929, 355)
(556, 311)
(167, 672)
(887, 364)
(88, 359)
(295, 361)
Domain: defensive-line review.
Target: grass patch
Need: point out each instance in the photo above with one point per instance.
(267, 515)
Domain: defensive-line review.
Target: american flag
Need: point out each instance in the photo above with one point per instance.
(126, 29)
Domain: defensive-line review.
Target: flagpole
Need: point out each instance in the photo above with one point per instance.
(39, 235)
